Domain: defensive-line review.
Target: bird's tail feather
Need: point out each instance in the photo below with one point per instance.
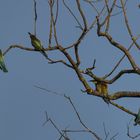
(106, 100)
(44, 54)
(3, 67)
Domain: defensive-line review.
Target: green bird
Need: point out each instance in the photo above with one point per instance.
(137, 119)
(2, 64)
(102, 88)
(36, 43)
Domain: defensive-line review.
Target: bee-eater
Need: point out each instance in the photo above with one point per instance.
(36, 43)
(137, 119)
(2, 64)
(102, 88)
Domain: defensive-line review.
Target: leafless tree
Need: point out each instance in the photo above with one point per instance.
(103, 12)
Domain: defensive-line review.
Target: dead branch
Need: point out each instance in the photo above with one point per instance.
(128, 26)
(73, 61)
(116, 44)
(48, 119)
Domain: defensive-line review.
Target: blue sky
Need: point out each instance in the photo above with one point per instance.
(22, 106)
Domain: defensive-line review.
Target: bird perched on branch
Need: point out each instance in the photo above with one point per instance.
(102, 88)
(2, 64)
(36, 43)
(137, 119)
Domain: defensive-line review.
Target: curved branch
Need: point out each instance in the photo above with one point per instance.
(77, 70)
(82, 123)
(82, 14)
(123, 109)
(78, 22)
(59, 61)
(128, 27)
(122, 72)
(28, 49)
(118, 63)
(116, 44)
(124, 94)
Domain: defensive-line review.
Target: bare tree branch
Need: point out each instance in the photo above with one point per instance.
(118, 63)
(55, 126)
(128, 26)
(76, 19)
(35, 17)
(117, 45)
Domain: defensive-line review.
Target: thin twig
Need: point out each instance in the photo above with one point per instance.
(54, 125)
(76, 19)
(35, 17)
(128, 26)
(115, 135)
(79, 118)
(49, 91)
(93, 6)
(116, 44)
(123, 108)
(121, 73)
(51, 4)
(106, 133)
(57, 11)
(118, 63)
(130, 135)
(50, 32)
(82, 14)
